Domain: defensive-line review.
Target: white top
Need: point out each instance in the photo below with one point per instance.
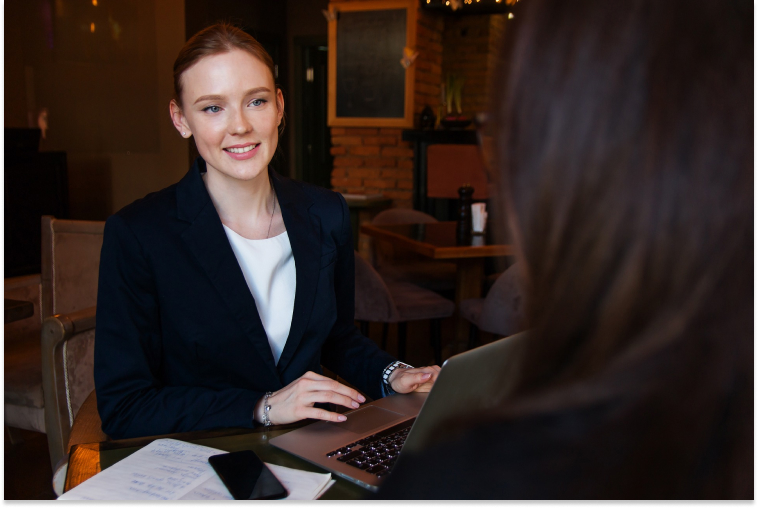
(269, 270)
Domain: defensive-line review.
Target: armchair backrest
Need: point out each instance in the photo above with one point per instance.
(503, 308)
(70, 266)
(373, 300)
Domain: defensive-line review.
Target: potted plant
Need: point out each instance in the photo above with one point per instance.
(453, 88)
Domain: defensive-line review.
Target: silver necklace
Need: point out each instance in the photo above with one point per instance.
(271, 221)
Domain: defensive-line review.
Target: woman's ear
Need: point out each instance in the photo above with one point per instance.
(279, 105)
(178, 119)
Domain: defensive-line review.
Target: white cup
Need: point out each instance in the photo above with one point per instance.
(478, 217)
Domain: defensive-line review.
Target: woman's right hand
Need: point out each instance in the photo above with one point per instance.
(295, 401)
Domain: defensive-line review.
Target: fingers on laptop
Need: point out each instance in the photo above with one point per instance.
(295, 401)
(419, 379)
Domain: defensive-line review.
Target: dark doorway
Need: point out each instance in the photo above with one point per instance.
(313, 161)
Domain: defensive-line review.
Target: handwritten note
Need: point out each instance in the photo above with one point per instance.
(171, 469)
(164, 469)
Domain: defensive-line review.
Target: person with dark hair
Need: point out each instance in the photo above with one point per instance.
(623, 139)
(221, 296)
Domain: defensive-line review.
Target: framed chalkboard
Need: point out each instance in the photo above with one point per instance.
(368, 84)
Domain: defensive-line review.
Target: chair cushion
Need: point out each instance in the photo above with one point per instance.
(373, 301)
(471, 309)
(502, 312)
(415, 303)
(24, 403)
(23, 373)
(24, 417)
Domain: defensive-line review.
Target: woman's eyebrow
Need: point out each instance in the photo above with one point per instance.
(257, 90)
(209, 98)
(220, 97)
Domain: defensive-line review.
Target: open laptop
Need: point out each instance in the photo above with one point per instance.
(364, 448)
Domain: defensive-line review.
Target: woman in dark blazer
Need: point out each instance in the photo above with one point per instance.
(181, 343)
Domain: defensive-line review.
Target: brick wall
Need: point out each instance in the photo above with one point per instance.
(373, 160)
(497, 28)
(468, 43)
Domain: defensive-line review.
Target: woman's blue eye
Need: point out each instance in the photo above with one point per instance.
(212, 109)
(258, 102)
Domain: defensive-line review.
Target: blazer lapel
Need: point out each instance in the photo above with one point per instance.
(304, 232)
(206, 239)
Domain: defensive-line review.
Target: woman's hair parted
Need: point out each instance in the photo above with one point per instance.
(216, 39)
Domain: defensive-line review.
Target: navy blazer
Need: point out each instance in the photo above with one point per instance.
(180, 345)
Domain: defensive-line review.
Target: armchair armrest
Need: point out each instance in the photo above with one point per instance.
(57, 331)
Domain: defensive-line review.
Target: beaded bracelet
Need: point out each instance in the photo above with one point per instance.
(266, 409)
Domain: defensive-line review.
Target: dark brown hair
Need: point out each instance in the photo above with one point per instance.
(624, 146)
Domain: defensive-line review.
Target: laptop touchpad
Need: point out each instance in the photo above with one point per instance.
(367, 418)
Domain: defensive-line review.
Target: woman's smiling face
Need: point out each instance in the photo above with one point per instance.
(232, 107)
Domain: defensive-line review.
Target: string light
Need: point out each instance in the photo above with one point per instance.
(467, 6)
(94, 2)
(92, 27)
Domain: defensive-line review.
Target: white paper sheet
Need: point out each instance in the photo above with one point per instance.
(172, 469)
(164, 469)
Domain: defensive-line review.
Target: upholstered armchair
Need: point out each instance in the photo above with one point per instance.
(70, 265)
(500, 312)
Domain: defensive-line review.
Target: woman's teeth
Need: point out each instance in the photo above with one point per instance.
(240, 150)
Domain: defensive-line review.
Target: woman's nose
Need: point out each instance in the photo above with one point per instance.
(240, 124)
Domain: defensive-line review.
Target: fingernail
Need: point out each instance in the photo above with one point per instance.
(426, 376)
(342, 418)
(355, 404)
(361, 398)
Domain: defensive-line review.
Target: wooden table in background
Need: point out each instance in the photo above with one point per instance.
(437, 240)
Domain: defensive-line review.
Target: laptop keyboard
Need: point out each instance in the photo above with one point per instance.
(375, 454)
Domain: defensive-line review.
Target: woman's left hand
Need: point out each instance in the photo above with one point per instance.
(414, 380)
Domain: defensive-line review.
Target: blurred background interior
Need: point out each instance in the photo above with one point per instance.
(87, 131)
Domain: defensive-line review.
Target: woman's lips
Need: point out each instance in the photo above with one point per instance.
(241, 153)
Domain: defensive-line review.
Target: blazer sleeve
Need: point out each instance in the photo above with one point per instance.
(132, 399)
(347, 352)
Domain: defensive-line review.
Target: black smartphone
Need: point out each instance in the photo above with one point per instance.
(246, 476)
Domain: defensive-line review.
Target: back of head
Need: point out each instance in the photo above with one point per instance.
(625, 154)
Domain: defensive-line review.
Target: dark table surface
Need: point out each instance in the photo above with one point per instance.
(438, 240)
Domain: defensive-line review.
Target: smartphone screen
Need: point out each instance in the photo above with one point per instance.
(246, 476)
